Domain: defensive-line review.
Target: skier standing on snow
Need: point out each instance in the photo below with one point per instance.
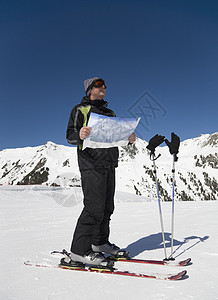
(97, 167)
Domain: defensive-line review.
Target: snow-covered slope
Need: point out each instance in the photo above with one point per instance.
(56, 165)
(33, 224)
(37, 165)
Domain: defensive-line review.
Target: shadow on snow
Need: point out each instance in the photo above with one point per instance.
(154, 241)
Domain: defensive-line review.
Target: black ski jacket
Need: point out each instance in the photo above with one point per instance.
(90, 158)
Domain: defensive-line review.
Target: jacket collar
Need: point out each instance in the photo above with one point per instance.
(97, 103)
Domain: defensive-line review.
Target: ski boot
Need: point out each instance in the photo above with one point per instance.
(78, 261)
(67, 262)
(111, 249)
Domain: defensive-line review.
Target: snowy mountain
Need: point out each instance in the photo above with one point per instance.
(56, 165)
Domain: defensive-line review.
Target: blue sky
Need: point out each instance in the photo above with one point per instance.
(158, 58)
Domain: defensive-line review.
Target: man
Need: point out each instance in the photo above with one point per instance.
(97, 167)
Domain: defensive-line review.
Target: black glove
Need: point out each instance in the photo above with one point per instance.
(174, 144)
(154, 142)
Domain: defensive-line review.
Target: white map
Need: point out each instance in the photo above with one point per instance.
(109, 131)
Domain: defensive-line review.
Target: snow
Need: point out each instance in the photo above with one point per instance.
(33, 223)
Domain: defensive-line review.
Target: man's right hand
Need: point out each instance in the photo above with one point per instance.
(84, 132)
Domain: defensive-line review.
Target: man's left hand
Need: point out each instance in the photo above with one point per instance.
(132, 138)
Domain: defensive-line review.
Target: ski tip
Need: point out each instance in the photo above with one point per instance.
(178, 276)
(185, 262)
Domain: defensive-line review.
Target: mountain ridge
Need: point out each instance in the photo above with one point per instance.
(56, 165)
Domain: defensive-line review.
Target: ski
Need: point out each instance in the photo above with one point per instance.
(95, 269)
(175, 263)
(152, 262)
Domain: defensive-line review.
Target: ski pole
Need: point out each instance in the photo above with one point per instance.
(153, 143)
(173, 208)
(174, 149)
(159, 204)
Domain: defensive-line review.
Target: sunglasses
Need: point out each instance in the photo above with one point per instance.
(99, 83)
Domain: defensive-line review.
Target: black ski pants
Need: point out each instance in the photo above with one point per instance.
(93, 224)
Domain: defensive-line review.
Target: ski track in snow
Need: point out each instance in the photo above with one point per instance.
(33, 224)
